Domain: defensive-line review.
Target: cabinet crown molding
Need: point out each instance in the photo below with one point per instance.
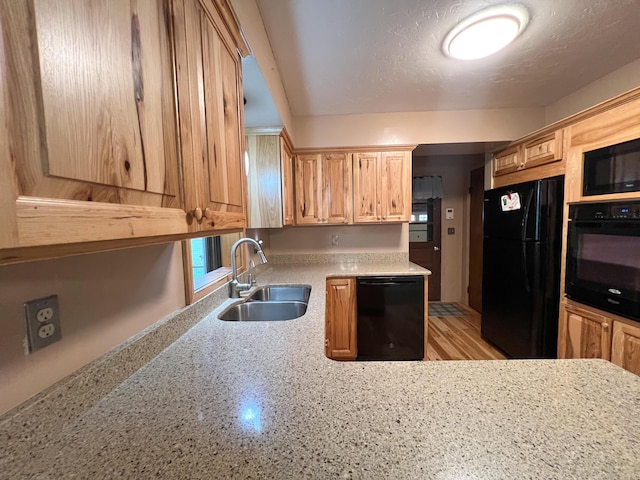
(364, 149)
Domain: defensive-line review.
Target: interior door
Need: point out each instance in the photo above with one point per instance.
(476, 193)
(425, 241)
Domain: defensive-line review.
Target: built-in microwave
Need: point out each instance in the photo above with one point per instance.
(612, 169)
(603, 256)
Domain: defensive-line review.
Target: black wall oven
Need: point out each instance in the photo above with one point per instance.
(603, 257)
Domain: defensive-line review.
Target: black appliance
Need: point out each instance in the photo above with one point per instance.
(612, 169)
(603, 256)
(521, 267)
(390, 318)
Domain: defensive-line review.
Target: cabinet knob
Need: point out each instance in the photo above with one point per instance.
(197, 213)
(437, 249)
(206, 213)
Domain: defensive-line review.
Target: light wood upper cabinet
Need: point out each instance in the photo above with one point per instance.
(308, 172)
(531, 159)
(93, 148)
(288, 202)
(367, 203)
(382, 187)
(507, 161)
(625, 346)
(583, 334)
(340, 319)
(209, 98)
(270, 178)
(323, 188)
(90, 146)
(337, 197)
(395, 185)
(542, 150)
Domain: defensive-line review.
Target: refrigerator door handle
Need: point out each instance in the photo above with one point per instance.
(527, 284)
(525, 217)
(523, 238)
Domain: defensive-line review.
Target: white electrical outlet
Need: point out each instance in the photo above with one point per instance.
(43, 322)
(44, 314)
(334, 240)
(47, 330)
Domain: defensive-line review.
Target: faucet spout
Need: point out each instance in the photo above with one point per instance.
(235, 287)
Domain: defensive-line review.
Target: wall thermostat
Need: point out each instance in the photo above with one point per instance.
(449, 214)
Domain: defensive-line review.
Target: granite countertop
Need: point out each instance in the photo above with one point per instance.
(260, 400)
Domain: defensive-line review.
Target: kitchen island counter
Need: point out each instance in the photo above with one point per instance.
(260, 400)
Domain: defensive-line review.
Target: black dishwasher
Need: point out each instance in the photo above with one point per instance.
(390, 318)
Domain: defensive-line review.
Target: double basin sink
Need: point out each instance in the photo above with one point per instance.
(269, 303)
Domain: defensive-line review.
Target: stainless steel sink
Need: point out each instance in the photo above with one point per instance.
(264, 311)
(278, 293)
(270, 303)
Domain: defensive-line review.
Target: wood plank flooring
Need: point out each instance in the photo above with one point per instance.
(458, 338)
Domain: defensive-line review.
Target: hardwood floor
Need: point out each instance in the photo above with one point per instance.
(458, 338)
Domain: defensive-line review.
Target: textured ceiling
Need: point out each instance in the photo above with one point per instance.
(365, 56)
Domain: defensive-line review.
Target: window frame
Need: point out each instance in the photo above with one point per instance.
(197, 289)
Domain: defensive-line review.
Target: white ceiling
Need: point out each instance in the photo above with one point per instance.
(364, 56)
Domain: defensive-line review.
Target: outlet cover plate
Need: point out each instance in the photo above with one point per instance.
(31, 308)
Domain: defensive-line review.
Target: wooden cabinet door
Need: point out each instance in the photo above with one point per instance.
(366, 200)
(288, 207)
(625, 346)
(337, 198)
(209, 93)
(507, 161)
(308, 173)
(543, 150)
(90, 122)
(583, 334)
(340, 319)
(395, 186)
(264, 179)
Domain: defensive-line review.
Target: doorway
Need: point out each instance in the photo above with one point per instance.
(476, 203)
(424, 241)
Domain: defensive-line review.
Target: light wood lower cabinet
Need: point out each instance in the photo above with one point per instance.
(589, 333)
(625, 346)
(340, 319)
(583, 334)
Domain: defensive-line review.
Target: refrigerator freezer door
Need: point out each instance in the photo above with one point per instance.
(512, 297)
(512, 212)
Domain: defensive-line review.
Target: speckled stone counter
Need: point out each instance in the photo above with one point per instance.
(260, 400)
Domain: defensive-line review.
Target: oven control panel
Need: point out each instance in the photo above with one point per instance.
(605, 211)
(625, 211)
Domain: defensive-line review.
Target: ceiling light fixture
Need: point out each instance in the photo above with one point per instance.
(485, 32)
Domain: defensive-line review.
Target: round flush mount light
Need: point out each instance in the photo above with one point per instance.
(485, 32)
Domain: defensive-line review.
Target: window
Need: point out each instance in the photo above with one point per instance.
(206, 256)
(207, 264)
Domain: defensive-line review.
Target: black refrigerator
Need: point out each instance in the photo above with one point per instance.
(521, 267)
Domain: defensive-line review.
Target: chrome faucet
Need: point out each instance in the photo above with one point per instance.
(235, 287)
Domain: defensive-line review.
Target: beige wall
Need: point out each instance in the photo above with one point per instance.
(454, 171)
(609, 86)
(417, 127)
(351, 239)
(104, 299)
